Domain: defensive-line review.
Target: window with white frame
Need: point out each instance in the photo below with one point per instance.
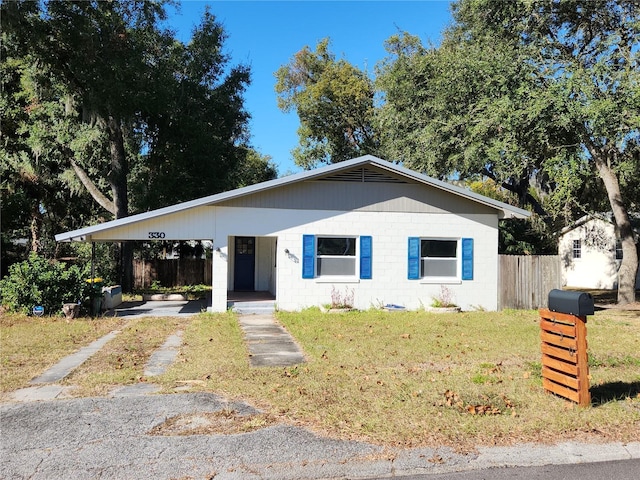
(618, 249)
(576, 251)
(438, 258)
(335, 256)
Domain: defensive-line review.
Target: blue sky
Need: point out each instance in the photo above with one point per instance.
(266, 34)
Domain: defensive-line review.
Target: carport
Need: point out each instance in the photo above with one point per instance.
(240, 302)
(170, 223)
(241, 262)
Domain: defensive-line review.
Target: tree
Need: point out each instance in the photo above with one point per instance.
(136, 118)
(334, 102)
(197, 142)
(35, 200)
(95, 52)
(528, 93)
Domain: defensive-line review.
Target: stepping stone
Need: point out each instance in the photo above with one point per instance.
(163, 357)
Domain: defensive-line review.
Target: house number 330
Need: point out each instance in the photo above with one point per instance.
(156, 234)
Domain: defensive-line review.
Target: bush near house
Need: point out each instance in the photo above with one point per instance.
(38, 281)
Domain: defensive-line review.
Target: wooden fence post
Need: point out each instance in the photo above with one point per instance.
(565, 365)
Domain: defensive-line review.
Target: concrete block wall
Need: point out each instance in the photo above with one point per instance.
(390, 232)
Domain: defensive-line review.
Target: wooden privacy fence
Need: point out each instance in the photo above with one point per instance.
(171, 273)
(524, 281)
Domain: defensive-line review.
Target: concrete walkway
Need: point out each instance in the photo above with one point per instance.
(45, 387)
(270, 345)
(163, 357)
(158, 308)
(65, 366)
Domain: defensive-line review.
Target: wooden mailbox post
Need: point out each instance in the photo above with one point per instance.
(565, 363)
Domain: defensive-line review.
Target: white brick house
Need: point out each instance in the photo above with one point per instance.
(591, 253)
(389, 234)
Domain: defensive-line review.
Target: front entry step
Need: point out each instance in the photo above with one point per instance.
(257, 308)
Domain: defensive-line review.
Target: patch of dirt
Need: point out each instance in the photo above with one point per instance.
(635, 306)
(224, 422)
(607, 299)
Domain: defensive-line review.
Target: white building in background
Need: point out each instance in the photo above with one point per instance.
(591, 253)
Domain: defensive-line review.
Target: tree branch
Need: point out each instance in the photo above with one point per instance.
(93, 189)
(523, 195)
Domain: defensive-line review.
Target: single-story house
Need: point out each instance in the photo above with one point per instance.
(591, 253)
(364, 227)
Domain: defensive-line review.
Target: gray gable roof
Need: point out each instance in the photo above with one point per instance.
(337, 169)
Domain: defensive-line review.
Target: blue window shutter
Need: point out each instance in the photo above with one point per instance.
(414, 258)
(365, 257)
(467, 259)
(308, 256)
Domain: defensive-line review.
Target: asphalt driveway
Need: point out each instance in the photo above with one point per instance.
(111, 438)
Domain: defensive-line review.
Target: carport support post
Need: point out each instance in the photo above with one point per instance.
(93, 262)
(219, 261)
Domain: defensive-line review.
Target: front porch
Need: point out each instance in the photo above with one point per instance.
(244, 271)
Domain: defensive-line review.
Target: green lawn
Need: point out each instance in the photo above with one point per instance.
(414, 378)
(393, 378)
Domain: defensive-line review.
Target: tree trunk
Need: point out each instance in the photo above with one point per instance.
(629, 266)
(118, 181)
(34, 227)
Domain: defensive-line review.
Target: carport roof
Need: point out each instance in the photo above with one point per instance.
(504, 210)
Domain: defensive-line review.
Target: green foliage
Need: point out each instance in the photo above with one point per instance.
(192, 292)
(540, 96)
(335, 104)
(105, 261)
(106, 112)
(36, 200)
(38, 281)
(526, 237)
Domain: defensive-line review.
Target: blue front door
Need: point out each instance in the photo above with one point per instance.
(245, 264)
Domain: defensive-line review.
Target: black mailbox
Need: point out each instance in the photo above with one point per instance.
(574, 303)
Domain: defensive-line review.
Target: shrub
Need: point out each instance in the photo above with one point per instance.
(38, 281)
(338, 301)
(444, 300)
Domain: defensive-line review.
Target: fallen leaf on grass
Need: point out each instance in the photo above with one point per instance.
(483, 410)
(451, 397)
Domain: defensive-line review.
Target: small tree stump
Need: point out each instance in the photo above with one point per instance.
(71, 310)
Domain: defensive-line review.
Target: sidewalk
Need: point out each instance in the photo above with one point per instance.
(270, 345)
